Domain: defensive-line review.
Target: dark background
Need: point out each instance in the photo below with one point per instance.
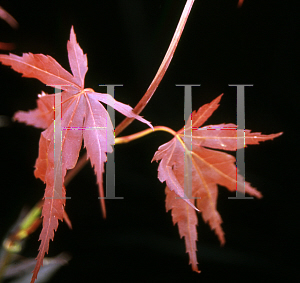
(126, 42)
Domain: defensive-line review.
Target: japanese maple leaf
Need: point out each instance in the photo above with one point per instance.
(82, 118)
(208, 169)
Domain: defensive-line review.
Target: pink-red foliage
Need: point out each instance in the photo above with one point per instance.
(209, 169)
(83, 117)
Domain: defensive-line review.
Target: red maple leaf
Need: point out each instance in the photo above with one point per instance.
(82, 118)
(208, 169)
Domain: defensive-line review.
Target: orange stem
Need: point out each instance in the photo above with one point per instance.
(143, 133)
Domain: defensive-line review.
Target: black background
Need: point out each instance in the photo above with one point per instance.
(125, 42)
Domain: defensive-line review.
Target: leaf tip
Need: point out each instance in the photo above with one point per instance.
(72, 34)
(217, 100)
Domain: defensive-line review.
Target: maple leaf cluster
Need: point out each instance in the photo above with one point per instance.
(192, 174)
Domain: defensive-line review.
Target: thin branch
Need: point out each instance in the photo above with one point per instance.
(8, 18)
(162, 69)
(143, 133)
